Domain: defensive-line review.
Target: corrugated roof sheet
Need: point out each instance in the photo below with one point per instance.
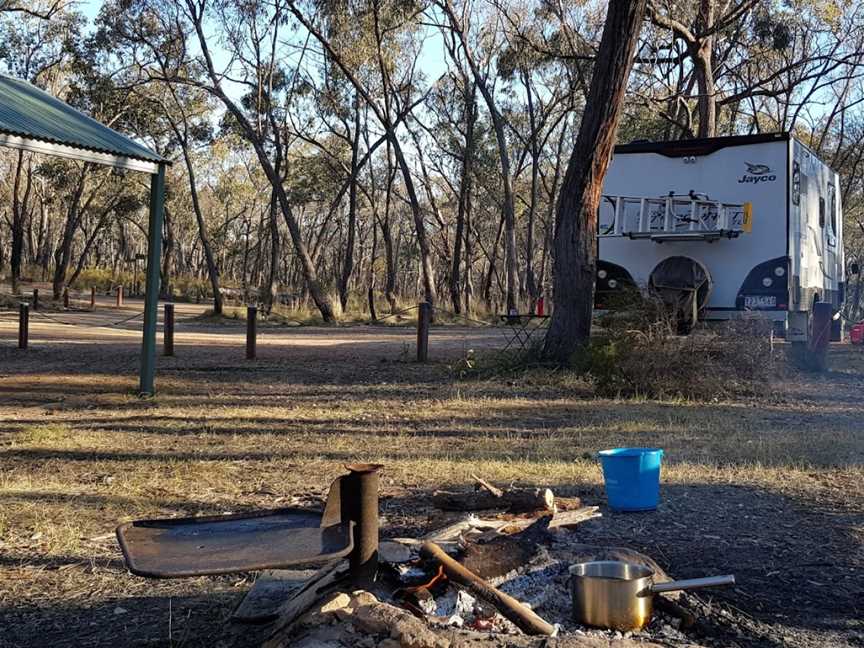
(27, 111)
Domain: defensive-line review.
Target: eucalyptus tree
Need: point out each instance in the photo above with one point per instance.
(375, 45)
(575, 247)
(481, 61)
(745, 64)
(173, 42)
(33, 48)
(187, 111)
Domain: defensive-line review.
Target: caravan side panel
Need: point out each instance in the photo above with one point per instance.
(815, 232)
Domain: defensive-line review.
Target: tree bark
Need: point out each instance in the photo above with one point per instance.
(703, 53)
(465, 188)
(348, 265)
(19, 207)
(575, 244)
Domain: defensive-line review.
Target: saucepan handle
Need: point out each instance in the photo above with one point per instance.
(693, 583)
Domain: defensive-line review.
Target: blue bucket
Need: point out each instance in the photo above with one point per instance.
(632, 477)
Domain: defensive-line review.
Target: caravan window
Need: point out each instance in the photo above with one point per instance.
(821, 212)
(832, 205)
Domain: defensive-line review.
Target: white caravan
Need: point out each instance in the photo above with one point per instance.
(724, 227)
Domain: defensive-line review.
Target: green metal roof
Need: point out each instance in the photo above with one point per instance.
(28, 112)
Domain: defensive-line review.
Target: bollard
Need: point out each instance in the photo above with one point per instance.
(424, 317)
(119, 296)
(251, 331)
(23, 325)
(168, 330)
(65, 298)
(820, 335)
(92, 297)
(35, 299)
(541, 304)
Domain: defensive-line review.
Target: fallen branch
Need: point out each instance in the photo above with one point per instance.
(452, 533)
(482, 483)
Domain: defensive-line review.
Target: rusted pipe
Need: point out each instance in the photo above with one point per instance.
(524, 618)
(359, 503)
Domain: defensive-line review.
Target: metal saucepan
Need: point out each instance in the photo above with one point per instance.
(619, 595)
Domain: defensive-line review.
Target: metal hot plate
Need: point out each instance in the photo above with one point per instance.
(224, 544)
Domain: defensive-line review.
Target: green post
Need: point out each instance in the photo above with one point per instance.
(151, 298)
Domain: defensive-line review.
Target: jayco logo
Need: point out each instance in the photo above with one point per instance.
(757, 173)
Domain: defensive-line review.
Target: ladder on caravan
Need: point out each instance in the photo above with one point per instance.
(672, 218)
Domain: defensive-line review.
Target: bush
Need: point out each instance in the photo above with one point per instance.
(637, 353)
(100, 278)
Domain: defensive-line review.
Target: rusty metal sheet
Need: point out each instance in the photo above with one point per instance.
(224, 544)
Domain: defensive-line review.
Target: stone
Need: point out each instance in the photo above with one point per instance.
(393, 552)
(417, 635)
(360, 598)
(336, 602)
(389, 643)
(371, 619)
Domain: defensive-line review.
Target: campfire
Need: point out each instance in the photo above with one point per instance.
(500, 570)
(501, 565)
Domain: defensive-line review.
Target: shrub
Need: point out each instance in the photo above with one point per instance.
(636, 353)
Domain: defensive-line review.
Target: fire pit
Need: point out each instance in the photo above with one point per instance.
(498, 579)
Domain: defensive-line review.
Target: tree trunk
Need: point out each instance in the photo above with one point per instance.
(464, 197)
(167, 254)
(63, 253)
(575, 244)
(348, 265)
(268, 292)
(703, 59)
(530, 279)
(19, 206)
(212, 269)
(509, 208)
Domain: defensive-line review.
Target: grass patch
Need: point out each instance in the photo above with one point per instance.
(45, 434)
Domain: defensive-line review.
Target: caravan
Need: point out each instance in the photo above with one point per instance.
(722, 228)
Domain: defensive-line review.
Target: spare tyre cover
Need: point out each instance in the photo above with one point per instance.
(679, 272)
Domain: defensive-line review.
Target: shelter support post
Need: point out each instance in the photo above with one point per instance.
(151, 297)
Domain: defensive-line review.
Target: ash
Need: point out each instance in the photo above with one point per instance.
(542, 585)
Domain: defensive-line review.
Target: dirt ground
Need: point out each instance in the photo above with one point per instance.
(770, 490)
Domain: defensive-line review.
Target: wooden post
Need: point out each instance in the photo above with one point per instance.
(251, 331)
(119, 295)
(168, 330)
(35, 299)
(23, 325)
(424, 317)
(92, 297)
(66, 298)
(821, 335)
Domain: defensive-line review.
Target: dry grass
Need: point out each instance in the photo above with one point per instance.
(80, 453)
